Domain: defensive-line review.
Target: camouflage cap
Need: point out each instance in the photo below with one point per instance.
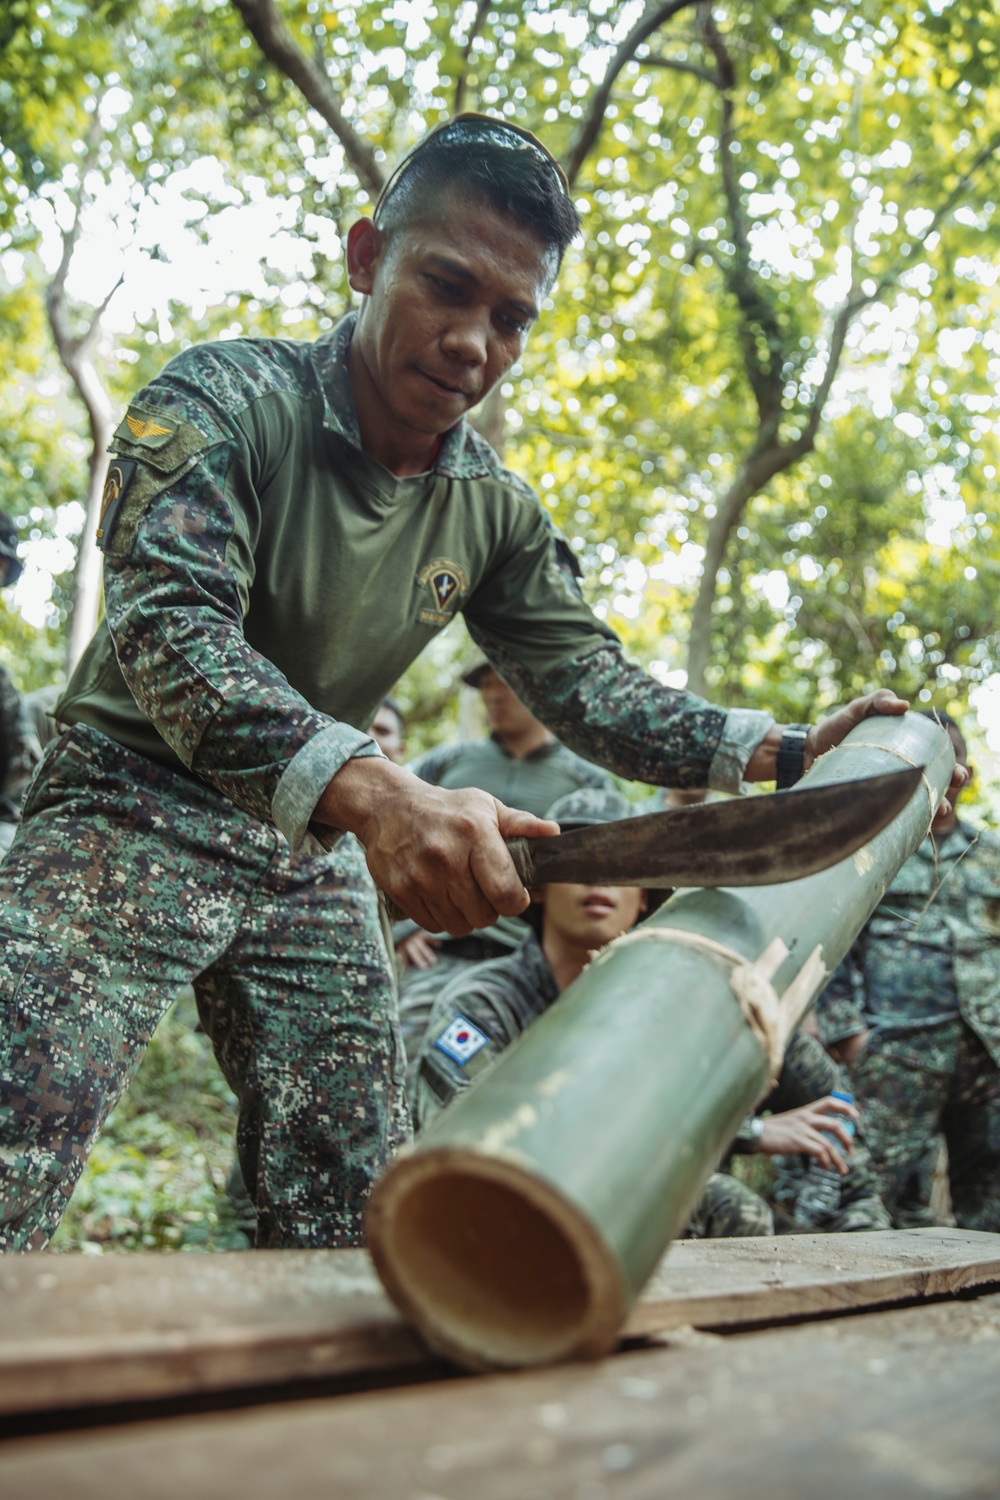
(589, 805)
(472, 674)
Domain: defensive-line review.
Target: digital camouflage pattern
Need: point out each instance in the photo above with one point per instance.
(924, 979)
(728, 1209)
(502, 999)
(127, 881)
(809, 1073)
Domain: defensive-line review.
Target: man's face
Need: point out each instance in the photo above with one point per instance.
(448, 307)
(591, 915)
(505, 713)
(387, 732)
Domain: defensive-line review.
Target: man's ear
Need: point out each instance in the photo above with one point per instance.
(365, 247)
(537, 894)
(644, 902)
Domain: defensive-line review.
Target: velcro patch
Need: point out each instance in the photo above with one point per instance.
(121, 472)
(153, 450)
(460, 1040)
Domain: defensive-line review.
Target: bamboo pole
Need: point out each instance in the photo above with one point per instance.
(521, 1226)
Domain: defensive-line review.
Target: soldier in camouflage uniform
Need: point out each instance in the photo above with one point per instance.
(285, 527)
(915, 1012)
(20, 750)
(486, 1007)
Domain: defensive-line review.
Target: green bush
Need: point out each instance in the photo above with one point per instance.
(156, 1178)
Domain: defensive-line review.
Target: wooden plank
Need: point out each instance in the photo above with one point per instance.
(80, 1330)
(898, 1405)
(705, 1284)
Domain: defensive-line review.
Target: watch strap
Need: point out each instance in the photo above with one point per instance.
(791, 758)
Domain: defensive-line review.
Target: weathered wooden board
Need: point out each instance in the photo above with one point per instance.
(80, 1330)
(705, 1284)
(896, 1405)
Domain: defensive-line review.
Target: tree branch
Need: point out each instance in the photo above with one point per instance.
(479, 21)
(654, 17)
(267, 27)
(654, 60)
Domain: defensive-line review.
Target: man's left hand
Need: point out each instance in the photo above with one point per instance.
(829, 732)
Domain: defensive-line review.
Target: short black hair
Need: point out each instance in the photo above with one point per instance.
(394, 708)
(489, 160)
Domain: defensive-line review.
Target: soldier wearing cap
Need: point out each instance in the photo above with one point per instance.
(20, 751)
(285, 527)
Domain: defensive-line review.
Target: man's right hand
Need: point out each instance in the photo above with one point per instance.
(808, 1129)
(439, 855)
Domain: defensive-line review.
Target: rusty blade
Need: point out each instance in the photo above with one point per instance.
(763, 840)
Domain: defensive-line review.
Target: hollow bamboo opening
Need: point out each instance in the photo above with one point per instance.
(493, 1266)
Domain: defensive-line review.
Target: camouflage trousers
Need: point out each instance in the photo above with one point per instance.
(726, 1208)
(126, 881)
(916, 1085)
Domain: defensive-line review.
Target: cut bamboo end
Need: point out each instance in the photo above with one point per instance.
(491, 1263)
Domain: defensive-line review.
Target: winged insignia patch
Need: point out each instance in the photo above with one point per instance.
(140, 430)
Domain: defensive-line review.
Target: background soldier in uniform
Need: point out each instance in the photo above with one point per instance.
(915, 1012)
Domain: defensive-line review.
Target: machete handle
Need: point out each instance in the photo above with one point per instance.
(519, 850)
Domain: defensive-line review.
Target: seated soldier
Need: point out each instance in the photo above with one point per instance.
(483, 1009)
(794, 1122)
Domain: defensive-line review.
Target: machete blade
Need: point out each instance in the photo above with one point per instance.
(764, 840)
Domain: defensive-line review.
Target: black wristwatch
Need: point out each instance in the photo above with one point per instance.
(791, 761)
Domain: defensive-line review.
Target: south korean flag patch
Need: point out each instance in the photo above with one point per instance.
(461, 1041)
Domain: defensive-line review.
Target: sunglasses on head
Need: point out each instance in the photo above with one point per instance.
(473, 126)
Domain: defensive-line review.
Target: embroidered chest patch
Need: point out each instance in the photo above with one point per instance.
(447, 582)
(461, 1040)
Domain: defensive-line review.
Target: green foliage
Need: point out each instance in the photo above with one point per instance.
(156, 1178)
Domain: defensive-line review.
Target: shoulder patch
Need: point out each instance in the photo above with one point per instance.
(461, 1040)
(152, 450)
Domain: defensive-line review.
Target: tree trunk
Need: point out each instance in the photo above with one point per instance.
(85, 608)
(755, 472)
(522, 1225)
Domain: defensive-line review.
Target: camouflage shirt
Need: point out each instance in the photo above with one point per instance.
(931, 951)
(475, 1018)
(267, 581)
